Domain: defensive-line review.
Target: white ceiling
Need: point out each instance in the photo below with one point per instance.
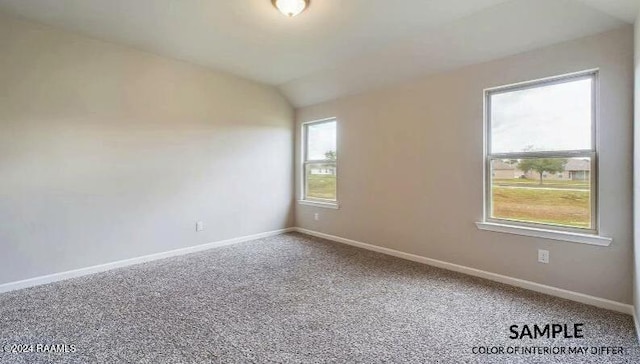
(336, 47)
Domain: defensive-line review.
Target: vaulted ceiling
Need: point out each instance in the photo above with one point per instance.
(336, 47)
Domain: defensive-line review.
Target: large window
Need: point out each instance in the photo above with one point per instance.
(541, 154)
(320, 161)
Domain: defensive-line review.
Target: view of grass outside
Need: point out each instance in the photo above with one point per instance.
(555, 202)
(321, 186)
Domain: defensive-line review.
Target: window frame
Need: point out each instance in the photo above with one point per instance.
(304, 199)
(584, 153)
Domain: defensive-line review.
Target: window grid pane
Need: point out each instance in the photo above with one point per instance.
(550, 117)
(321, 141)
(552, 191)
(321, 181)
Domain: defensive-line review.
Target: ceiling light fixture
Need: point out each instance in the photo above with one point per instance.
(290, 8)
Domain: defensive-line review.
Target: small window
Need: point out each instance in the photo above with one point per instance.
(543, 131)
(320, 157)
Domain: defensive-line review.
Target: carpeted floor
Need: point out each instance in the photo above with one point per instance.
(295, 299)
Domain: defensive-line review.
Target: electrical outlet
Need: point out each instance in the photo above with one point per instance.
(199, 226)
(543, 256)
(316, 216)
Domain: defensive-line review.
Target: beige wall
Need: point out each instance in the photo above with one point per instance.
(109, 153)
(410, 169)
(636, 195)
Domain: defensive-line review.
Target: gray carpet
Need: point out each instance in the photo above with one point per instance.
(294, 299)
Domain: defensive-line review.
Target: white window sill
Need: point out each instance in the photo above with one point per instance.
(545, 233)
(326, 205)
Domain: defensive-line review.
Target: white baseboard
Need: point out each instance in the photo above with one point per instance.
(537, 287)
(11, 286)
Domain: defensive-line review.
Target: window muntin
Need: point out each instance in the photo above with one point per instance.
(541, 156)
(320, 161)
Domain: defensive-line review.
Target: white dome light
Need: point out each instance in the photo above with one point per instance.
(290, 7)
